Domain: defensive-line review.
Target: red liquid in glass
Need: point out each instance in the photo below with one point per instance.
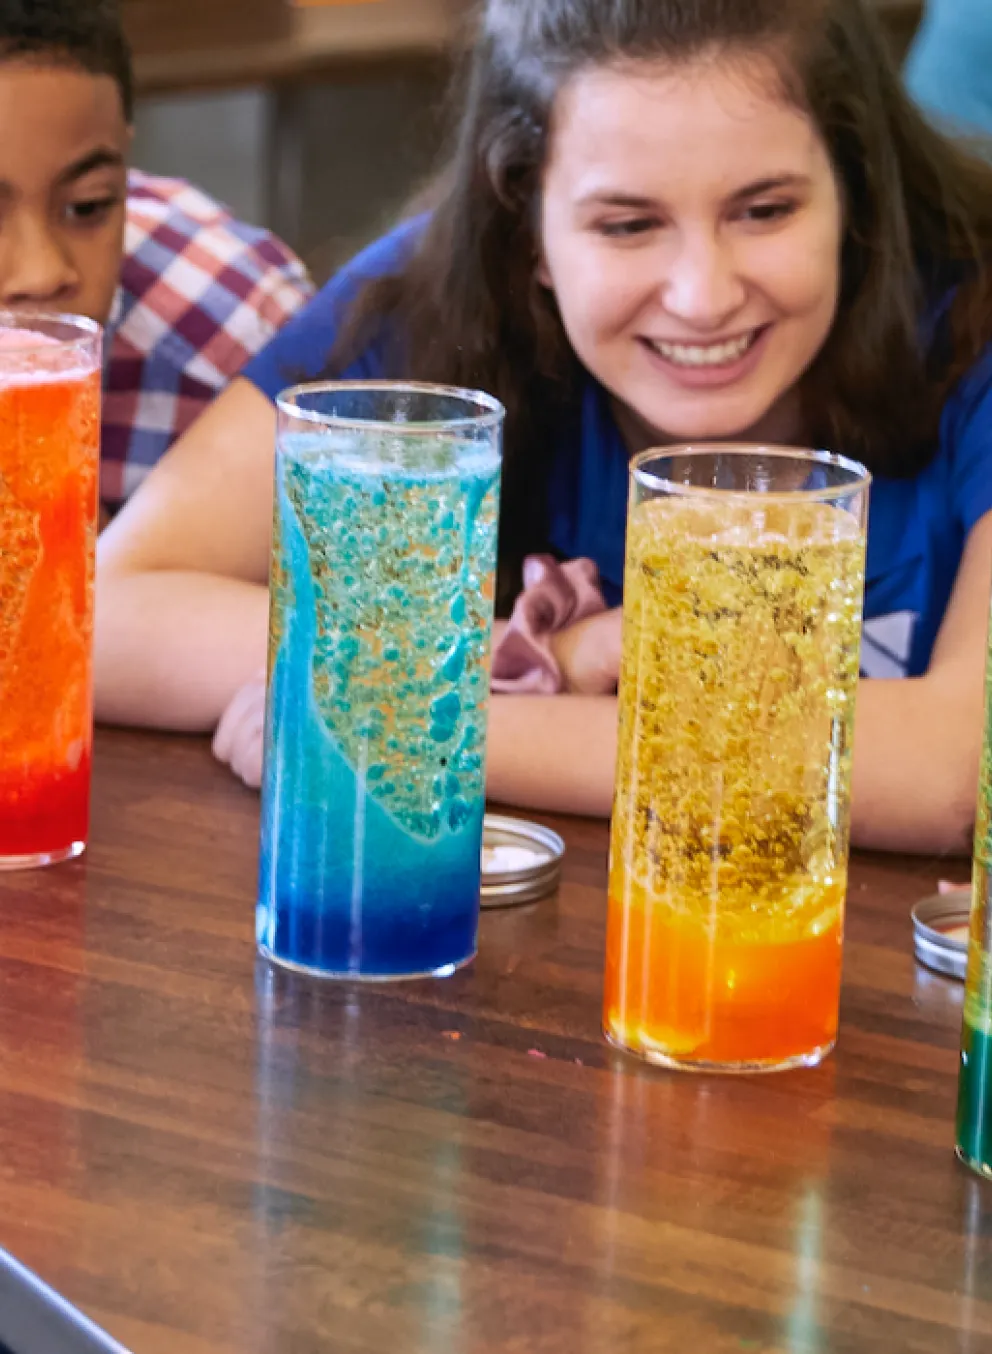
(49, 461)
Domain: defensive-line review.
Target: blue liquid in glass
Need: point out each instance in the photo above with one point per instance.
(374, 785)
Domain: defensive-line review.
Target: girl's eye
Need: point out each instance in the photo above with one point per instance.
(90, 212)
(624, 230)
(768, 211)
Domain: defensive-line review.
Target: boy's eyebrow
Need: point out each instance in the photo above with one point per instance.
(102, 158)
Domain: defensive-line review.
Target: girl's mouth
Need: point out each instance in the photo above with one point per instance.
(722, 354)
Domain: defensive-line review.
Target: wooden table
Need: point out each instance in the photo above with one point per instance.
(207, 1154)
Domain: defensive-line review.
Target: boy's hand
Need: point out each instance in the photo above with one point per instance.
(241, 731)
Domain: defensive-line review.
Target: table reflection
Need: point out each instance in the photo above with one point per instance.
(346, 1190)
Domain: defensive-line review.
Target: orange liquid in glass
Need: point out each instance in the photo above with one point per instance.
(49, 463)
(681, 989)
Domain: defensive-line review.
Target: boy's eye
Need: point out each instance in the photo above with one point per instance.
(91, 211)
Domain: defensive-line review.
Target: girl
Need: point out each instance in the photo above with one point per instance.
(662, 220)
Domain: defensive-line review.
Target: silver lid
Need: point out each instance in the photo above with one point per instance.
(940, 932)
(521, 861)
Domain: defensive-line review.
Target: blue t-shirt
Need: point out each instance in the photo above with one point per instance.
(916, 530)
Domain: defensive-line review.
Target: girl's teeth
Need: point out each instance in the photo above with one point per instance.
(714, 355)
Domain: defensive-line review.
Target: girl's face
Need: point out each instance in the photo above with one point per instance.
(691, 228)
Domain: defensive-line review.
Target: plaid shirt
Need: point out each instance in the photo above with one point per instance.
(200, 294)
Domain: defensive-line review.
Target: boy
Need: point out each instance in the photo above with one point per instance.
(187, 293)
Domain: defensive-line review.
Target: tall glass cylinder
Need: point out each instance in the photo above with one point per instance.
(382, 584)
(49, 499)
(974, 1118)
(742, 623)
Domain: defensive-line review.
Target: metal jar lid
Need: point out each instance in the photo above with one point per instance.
(940, 932)
(521, 861)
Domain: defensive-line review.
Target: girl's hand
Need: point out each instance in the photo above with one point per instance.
(588, 654)
(241, 731)
(555, 596)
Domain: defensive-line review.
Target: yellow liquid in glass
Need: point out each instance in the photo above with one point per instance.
(730, 829)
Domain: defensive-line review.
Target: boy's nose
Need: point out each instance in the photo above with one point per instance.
(34, 268)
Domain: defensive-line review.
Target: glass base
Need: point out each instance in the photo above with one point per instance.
(39, 858)
(980, 1168)
(675, 1064)
(444, 971)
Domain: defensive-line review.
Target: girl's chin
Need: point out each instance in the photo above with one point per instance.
(710, 418)
(655, 430)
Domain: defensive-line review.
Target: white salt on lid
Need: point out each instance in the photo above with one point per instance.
(508, 859)
(521, 861)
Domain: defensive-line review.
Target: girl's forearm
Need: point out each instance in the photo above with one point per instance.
(916, 752)
(915, 765)
(554, 753)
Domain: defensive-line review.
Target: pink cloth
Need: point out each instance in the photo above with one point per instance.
(554, 597)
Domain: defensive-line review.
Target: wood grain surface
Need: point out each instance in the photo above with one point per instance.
(207, 1154)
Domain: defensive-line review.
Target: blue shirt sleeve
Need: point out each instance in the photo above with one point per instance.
(967, 433)
(917, 530)
(300, 351)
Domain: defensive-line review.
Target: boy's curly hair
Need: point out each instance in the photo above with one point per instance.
(84, 33)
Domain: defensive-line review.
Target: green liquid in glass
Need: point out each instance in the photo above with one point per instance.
(974, 1135)
(974, 1120)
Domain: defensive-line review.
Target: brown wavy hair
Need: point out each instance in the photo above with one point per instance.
(918, 229)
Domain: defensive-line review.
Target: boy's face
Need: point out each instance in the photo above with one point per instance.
(63, 141)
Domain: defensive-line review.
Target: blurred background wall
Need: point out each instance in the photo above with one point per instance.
(317, 119)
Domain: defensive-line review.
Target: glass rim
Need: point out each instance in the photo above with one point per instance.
(860, 475)
(491, 411)
(86, 329)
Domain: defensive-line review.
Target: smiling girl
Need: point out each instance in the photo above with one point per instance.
(663, 220)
